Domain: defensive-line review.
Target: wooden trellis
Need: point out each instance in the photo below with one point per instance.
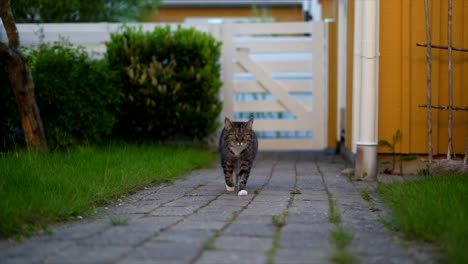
(450, 107)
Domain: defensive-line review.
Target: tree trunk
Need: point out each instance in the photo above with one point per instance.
(22, 82)
(450, 82)
(23, 88)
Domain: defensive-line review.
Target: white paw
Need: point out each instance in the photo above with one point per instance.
(229, 189)
(242, 192)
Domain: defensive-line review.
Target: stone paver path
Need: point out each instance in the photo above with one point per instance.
(195, 220)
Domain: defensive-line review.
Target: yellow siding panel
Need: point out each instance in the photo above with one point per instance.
(390, 78)
(402, 77)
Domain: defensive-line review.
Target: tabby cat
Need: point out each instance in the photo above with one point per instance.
(238, 147)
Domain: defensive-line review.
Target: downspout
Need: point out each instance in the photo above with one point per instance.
(356, 73)
(366, 91)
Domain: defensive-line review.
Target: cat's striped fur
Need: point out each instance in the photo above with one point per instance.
(238, 147)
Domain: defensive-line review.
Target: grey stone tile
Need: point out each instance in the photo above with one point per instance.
(253, 219)
(301, 256)
(88, 254)
(231, 257)
(304, 239)
(174, 211)
(33, 251)
(192, 236)
(243, 243)
(307, 217)
(250, 229)
(152, 223)
(307, 227)
(116, 236)
(159, 251)
(200, 224)
(76, 230)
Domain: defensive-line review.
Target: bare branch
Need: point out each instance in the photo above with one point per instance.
(428, 91)
(9, 24)
(441, 47)
(450, 82)
(446, 107)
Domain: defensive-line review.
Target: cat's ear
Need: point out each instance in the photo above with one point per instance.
(227, 123)
(250, 123)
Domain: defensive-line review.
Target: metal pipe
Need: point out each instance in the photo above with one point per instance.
(367, 88)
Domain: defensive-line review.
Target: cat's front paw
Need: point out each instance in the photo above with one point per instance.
(230, 189)
(242, 193)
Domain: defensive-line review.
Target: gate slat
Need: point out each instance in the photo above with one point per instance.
(275, 28)
(267, 106)
(288, 85)
(281, 66)
(275, 88)
(286, 46)
(281, 125)
(289, 144)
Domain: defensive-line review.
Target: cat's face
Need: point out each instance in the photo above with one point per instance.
(238, 135)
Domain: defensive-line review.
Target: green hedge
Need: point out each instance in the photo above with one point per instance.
(157, 85)
(11, 134)
(171, 82)
(77, 96)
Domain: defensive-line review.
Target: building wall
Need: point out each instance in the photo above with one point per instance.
(329, 13)
(402, 75)
(402, 78)
(177, 14)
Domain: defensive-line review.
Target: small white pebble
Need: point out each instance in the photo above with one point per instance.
(105, 208)
(79, 217)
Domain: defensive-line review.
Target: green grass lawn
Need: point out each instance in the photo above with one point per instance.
(433, 209)
(39, 189)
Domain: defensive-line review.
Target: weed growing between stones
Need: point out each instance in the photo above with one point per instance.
(295, 191)
(280, 220)
(118, 220)
(340, 236)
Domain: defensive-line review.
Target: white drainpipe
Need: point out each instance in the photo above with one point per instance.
(365, 87)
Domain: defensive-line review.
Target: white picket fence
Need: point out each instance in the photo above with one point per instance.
(275, 72)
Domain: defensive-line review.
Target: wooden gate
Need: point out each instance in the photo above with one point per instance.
(276, 73)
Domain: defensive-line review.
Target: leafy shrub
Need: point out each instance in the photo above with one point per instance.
(171, 81)
(76, 95)
(10, 127)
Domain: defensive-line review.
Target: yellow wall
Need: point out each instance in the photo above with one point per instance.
(402, 78)
(332, 82)
(177, 14)
(329, 10)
